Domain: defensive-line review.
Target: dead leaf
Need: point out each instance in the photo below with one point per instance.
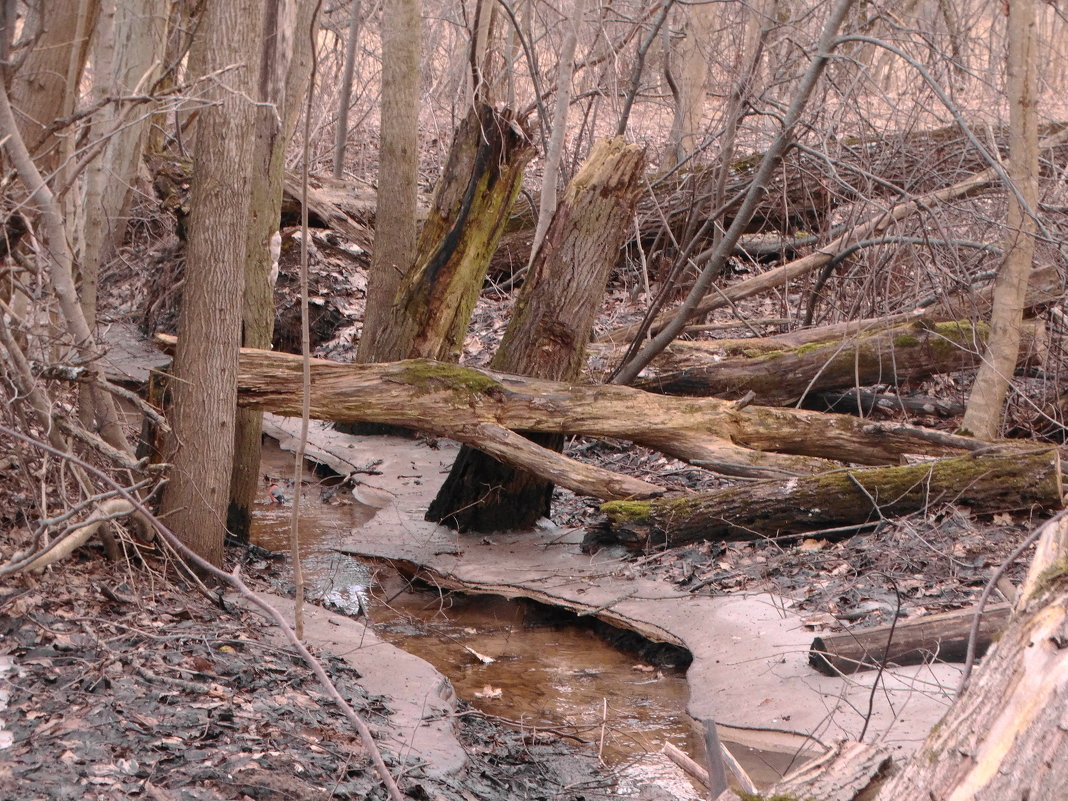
(489, 692)
(485, 660)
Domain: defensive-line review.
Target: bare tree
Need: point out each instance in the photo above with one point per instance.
(226, 48)
(398, 173)
(284, 71)
(987, 399)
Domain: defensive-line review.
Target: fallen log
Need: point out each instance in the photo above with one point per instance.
(843, 773)
(942, 637)
(469, 405)
(985, 482)
(887, 355)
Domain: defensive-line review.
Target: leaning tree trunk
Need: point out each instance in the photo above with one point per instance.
(547, 335)
(431, 310)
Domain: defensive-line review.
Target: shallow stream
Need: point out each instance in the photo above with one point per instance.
(527, 664)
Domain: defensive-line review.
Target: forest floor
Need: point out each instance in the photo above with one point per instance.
(122, 681)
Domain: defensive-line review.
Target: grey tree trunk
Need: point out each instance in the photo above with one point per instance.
(205, 393)
(284, 72)
(398, 173)
(983, 415)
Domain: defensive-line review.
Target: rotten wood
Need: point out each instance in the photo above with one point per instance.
(985, 482)
(942, 637)
(1004, 737)
(547, 334)
(484, 409)
(433, 305)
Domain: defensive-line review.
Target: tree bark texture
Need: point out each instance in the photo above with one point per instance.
(893, 355)
(433, 305)
(126, 62)
(202, 442)
(281, 84)
(942, 637)
(46, 84)
(1010, 481)
(393, 255)
(548, 332)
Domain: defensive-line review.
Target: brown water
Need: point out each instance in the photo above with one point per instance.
(509, 659)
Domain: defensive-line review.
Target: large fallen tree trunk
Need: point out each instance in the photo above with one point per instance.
(887, 355)
(464, 404)
(990, 482)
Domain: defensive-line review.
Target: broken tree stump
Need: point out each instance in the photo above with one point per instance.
(942, 637)
(433, 303)
(987, 483)
(547, 334)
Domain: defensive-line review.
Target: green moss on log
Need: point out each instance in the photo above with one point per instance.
(428, 376)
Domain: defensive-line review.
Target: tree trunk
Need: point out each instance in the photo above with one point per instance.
(202, 443)
(284, 73)
(989, 483)
(780, 377)
(342, 133)
(393, 254)
(547, 334)
(126, 61)
(45, 86)
(686, 70)
(983, 415)
(433, 305)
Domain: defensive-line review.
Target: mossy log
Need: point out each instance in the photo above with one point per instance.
(986, 483)
(470, 405)
(780, 373)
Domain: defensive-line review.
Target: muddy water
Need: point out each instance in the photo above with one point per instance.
(507, 658)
